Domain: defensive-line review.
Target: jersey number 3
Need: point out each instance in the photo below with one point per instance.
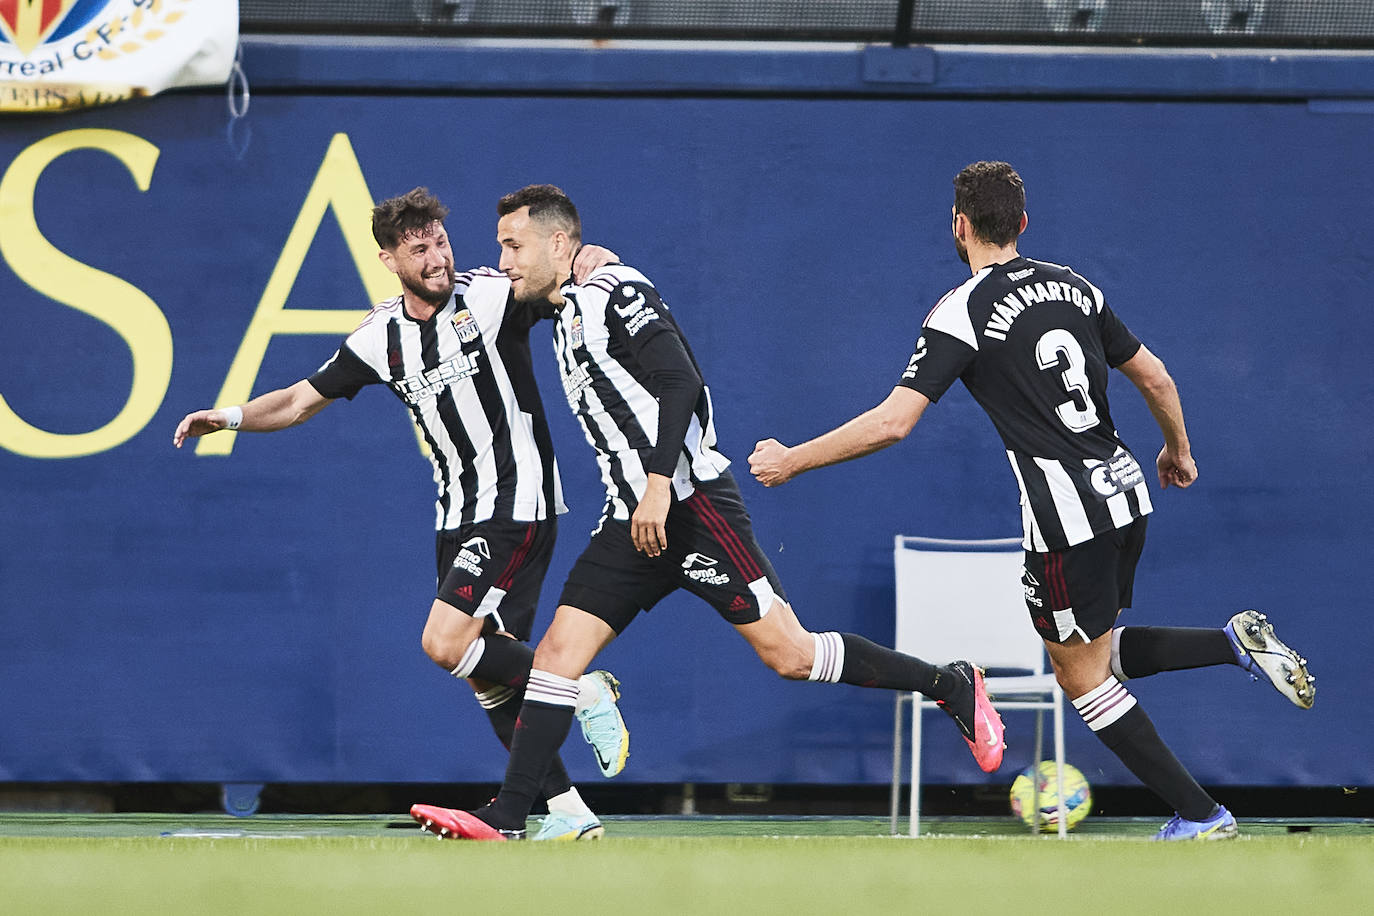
(1055, 348)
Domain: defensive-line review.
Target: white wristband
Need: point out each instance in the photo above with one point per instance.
(233, 416)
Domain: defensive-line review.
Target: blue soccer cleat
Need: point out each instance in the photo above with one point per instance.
(1220, 826)
(603, 726)
(562, 828)
(1259, 651)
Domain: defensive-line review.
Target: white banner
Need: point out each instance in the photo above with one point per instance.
(58, 55)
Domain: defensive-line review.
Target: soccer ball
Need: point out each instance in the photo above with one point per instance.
(1078, 799)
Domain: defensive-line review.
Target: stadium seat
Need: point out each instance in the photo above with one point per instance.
(964, 599)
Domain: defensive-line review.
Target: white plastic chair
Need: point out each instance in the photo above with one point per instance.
(964, 599)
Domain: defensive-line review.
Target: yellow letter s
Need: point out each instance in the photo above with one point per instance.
(133, 316)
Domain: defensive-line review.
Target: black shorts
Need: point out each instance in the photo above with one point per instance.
(711, 553)
(1082, 588)
(495, 569)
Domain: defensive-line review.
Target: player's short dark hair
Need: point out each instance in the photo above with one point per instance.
(413, 212)
(993, 198)
(548, 204)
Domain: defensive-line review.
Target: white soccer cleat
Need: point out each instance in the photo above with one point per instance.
(1258, 649)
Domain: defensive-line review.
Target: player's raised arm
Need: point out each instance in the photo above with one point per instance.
(1175, 462)
(264, 414)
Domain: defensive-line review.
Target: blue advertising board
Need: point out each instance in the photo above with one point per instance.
(249, 609)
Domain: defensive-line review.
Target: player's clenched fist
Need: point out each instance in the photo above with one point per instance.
(1175, 470)
(767, 463)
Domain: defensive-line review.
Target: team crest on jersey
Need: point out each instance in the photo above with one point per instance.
(466, 326)
(28, 25)
(575, 333)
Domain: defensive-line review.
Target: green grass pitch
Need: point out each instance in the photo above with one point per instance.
(204, 864)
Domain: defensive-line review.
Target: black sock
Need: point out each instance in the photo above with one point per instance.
(502, 718)
(504, 661)
(1119, 722)
(545, 719)
(866, 664)
(1142, 651)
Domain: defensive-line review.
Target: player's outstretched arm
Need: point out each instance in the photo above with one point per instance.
(264, 414)
(774, 464)
(1175, 462)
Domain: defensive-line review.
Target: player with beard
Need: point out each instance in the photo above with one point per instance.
(673, 517)
(1033, 342)
(454, 348)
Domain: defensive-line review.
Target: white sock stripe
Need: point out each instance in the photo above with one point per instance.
(1111, 714)
(1104, 704)
(1100, 700)
(1116, 655)
(494, 697)
(829, 657)
(1093, 694)
(818, 659)
(839, 657)
(545, 687)
(470, 658)
(549, 679)
(1106, 707)
(815, 657)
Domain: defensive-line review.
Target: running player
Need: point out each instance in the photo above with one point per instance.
(673, 516)
(454, 348)
(1033, 343)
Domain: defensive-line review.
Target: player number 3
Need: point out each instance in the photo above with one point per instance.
(1058, 346)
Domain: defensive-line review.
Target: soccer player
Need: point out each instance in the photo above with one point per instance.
(454, 348)
(1033, 342)
(673, 516)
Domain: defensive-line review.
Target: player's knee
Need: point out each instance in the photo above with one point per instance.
(789, 662)
(1077, 681)
(443, 651)
(554, 656)
(782, 643)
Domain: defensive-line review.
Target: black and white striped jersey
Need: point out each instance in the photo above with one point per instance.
(1033, 343)
(617, 367)
(468, 380)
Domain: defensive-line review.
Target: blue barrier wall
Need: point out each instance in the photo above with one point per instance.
(255, 616)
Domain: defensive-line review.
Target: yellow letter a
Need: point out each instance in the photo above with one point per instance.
(338, 184)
